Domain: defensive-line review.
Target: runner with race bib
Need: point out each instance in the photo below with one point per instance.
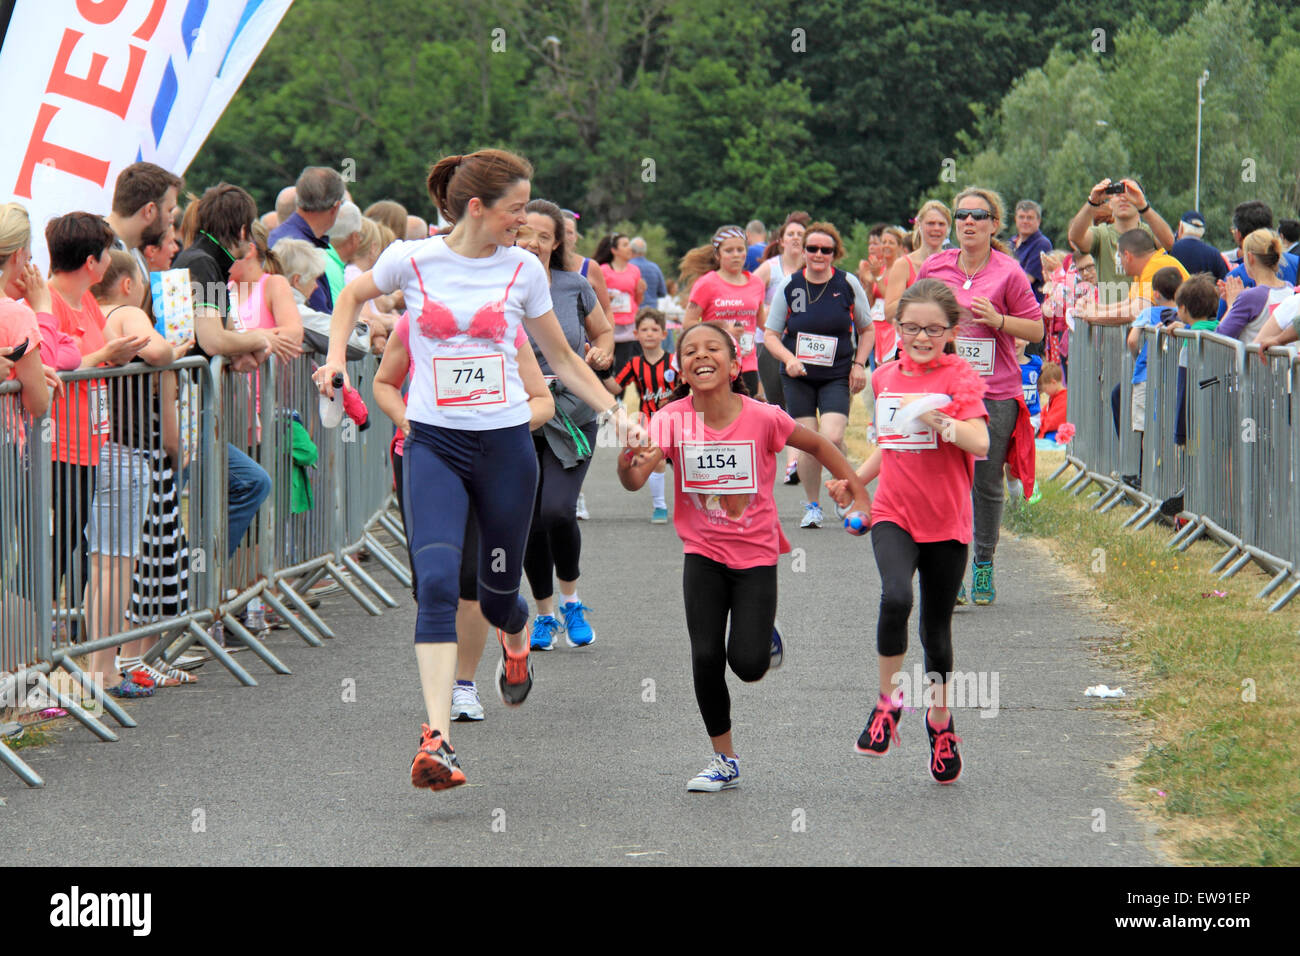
(470, 295)
(997, 305)
(930, 425)
(722, 446)
(626, 288)
(810, 331)
(728, 295)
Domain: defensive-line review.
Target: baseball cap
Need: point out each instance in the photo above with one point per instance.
(1194, 218)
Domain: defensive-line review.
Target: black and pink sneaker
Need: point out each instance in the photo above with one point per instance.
(945, 759)
(882, 726)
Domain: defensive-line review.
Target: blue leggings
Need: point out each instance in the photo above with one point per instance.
(447, 470)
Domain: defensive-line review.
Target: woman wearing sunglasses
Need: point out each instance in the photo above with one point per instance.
(997, 306)
(810, 330)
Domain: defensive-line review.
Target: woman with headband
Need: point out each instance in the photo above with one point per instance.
(728, 295)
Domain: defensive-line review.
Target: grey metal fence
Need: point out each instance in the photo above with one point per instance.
(1239, 464)
(93, 567)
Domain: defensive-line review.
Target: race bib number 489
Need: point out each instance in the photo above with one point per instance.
(469, 381)
(718, 468)
(815, 349)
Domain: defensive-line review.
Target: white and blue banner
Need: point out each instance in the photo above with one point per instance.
(92, 86)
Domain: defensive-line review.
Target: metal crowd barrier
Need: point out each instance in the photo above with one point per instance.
(1241, 460)
(164, 584)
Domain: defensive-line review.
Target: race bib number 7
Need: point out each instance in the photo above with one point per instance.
(718, 468)
(916, 435)
(815, 349)
(469, 381)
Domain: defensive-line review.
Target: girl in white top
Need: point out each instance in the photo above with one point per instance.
(470, 295)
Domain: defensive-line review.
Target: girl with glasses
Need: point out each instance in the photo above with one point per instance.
(921, 513)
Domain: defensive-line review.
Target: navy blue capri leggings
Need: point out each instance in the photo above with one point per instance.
(447, 471)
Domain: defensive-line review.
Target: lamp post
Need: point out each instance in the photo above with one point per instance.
(1200, 100)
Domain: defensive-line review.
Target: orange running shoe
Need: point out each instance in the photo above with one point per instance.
(514, 674)
(435, 765)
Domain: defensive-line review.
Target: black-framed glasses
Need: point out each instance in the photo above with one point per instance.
(932, 331)
(979, 215)
(822, 250)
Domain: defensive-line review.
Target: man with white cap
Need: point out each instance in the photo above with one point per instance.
(1193, 251)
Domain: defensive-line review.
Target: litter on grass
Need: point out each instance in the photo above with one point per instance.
(1101, 690)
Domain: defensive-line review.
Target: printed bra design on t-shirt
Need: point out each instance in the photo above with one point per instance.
(437, 321)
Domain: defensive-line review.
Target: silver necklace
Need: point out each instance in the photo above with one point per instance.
(970, 276)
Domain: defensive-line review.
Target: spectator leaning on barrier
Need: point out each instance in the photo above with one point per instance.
(655, 287)
(1030, 243)
(1246, 218)
(1131, 211)
(224, 223)
(1162, 312)
(1140, 258)
(344, 238)
(1250, 307)
(19, 327)
(1195, 253)
(320, 194)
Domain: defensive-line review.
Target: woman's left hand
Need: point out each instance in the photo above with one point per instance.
(857, 379)
(984, 312)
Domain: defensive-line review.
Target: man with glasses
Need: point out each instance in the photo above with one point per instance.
(319, 192)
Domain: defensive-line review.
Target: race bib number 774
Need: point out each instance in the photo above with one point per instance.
(470, 380)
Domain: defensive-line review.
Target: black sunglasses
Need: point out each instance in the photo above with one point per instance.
(824, 250)
(979, 215)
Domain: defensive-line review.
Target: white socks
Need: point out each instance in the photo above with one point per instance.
(657, 489)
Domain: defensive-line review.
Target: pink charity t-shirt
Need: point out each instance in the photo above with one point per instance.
(925, 482)
(18, 325)
(992, 353)
(722, 481)
(720, 301)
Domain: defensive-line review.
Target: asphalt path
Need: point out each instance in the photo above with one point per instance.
(593, 768)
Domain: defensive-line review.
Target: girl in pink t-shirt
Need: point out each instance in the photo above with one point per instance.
(922, 511)
(722, 446)
(731, 296)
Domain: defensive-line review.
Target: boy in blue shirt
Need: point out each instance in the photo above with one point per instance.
(1164, 286)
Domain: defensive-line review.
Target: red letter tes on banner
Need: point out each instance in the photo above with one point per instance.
(61, 158)
(89, 89)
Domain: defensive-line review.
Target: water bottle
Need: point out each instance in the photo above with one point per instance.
(331, 409)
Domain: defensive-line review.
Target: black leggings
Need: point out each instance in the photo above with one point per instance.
(769, 370)
(713, 591)
(942, 565)
(555, 543)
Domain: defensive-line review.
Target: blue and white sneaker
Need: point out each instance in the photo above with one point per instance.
(465, 703)
(722, 774)
(778, 647)
(542, 637)
(812, 515)
(577, 632)
(659, 516)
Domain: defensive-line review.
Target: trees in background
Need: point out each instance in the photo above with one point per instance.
(693, 113)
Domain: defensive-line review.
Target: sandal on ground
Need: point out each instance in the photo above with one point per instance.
(168, 676)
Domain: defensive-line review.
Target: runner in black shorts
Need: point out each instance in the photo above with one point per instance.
(810, 328)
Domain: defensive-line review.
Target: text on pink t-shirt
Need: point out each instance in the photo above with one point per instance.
(722, 481)
(720, 301)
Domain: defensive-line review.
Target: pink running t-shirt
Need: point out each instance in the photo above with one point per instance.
(731, 517)
(991, 352)
(925, 482)
(720, 301)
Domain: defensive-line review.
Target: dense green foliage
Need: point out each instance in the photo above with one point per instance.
(692, 113)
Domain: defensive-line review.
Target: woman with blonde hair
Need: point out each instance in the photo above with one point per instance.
(997, 307)
(728, 295)
(1250, 309)
(933, 223)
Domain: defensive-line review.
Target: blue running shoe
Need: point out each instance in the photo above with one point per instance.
(659, 516)
(577, 632)
(778, 647)
(542, 637)
(722, 774)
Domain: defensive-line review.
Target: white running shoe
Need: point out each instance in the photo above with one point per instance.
(812, 516)
(580, 512)
(722, 774)
(465, 703)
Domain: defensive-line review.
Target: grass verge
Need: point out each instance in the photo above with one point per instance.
(1218, 676)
